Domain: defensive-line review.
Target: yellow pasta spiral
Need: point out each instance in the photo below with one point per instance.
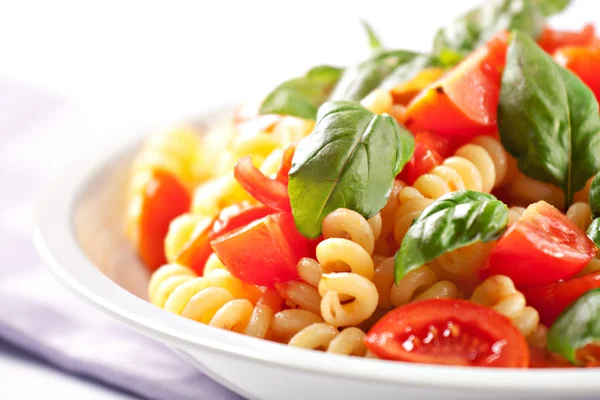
(580, 214)
(325, 337)
(499, 293)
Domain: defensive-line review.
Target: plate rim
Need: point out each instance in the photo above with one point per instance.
(55, 240)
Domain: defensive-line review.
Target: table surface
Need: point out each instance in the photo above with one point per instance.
(146, 62)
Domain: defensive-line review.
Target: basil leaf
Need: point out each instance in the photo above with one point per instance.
(476, 27)
(551, 7)
(407, 71)
(594, 197)
(374, 41)
(301, 97)
(455, 220)
(358, 81)
(349, 160)
(593, 232)
(548, 119)
(577, 326)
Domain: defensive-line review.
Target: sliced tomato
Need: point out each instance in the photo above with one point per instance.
(463, 103)
(264, 252)
(448, 332)
(286, 164)
(195, 253)
(404, 92)
(430, 151)
(164, 197)
(542, 358)
(270, 192)
(583, 62)
(543, 246)
(550, 40)
(551, 300)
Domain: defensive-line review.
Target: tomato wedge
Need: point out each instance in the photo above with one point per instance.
(270, 192)
(264, 252)
(463, 103)
(448, 332)
(583, 62)
(286, 164)
(551, 300)
(195, 253)
(550, 40)
(542, 247)
(163, 198)
(430, 151)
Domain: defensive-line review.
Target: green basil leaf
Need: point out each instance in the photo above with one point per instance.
(577, 326)
(548, 119)
(476, 27)
(455, 220)
(358, 81)
(551, 7)
(374, 41)
(593, 232)
(301, 97)
(594, 197)
(349, 160)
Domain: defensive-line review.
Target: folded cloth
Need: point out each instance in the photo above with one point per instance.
(37, 132)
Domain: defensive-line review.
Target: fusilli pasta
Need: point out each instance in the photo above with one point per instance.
(325, 337)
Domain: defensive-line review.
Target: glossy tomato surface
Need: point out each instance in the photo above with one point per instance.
(449, 332)
(264, 252)
(583, 62)
(551, 300)
(542, 247)
(463, 103)
(163, 198)
(430, 151)
(552, 39)
(270, 192)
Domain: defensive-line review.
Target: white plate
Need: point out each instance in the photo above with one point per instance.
(78, 231)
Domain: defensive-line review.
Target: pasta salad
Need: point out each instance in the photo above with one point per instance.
(439, 207)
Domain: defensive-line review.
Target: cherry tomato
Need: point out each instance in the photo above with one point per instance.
(195, 253)
(162, 199)
(270, 192)
(449, 332)
(550, 40)
(404, 92)
(551, 300)
(583, 62)
(430, 151)
(542, 358)
(264, 252)
(543, 246)
(463, 103)
(286, 164)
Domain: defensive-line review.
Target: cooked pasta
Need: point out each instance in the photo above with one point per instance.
(499, 293)
(378, 101)
(328, 338)
(580, 214)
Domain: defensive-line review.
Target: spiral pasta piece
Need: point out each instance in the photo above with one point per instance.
(286, 323)
(580, 214)
(421, 284)
(326, 337)
(499, 293)
(524, 191)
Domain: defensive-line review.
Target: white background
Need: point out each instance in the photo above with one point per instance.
(131, 63)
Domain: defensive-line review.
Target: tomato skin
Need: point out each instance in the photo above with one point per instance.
(550, 40)
(463, 103)
(286, 164)
(430, 151)
(422, 332)
(270, 192)
(264, 252)
(164, 197)
(196, 252)
(583, 62)
(542, 247)
(551, 300)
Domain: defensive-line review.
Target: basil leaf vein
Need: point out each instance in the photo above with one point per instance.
(349, 160)
(576, 327)
(454, 220)
(548, 118)
(301, 97)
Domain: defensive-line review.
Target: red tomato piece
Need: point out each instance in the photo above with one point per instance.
(551, 300)
(264, 252)
(195, 253)
(463, 103)
(163, 199)
(448, 332)
(543, 246)
(286, 164)
(583, 62)
(257, 124)
(550, 40)
(430, 151)
(270, 192)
